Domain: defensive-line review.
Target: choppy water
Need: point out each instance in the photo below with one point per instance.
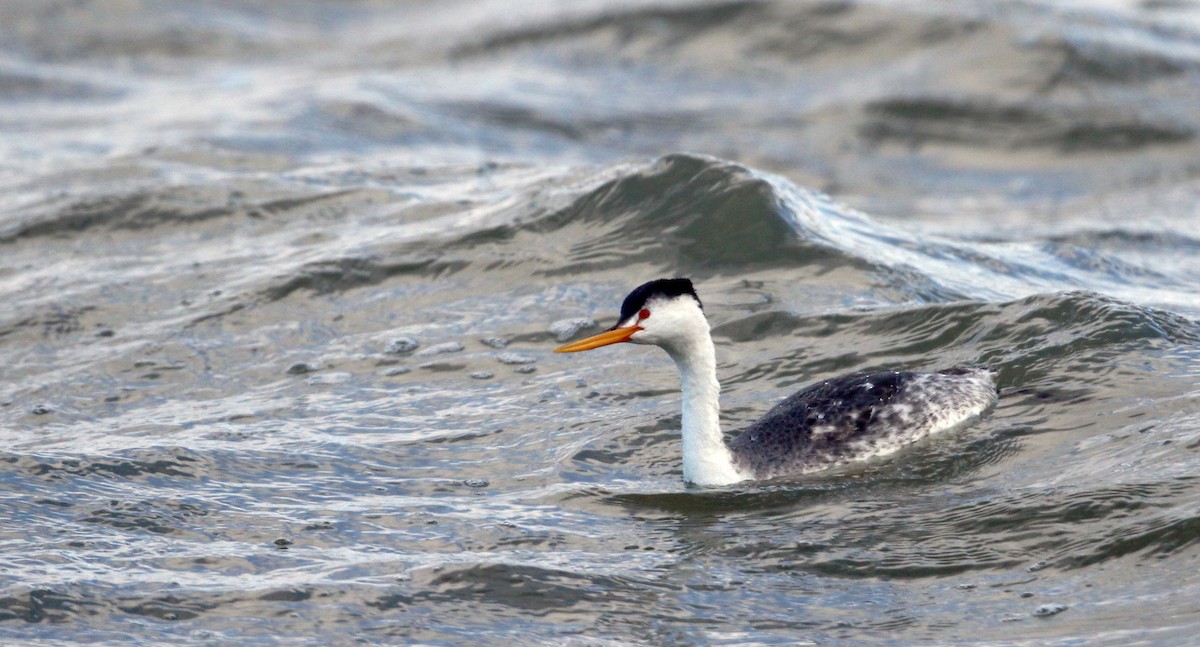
(281, 283)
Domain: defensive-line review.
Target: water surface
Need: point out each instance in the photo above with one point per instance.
(282, 283)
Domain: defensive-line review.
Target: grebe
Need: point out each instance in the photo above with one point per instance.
(838, 421)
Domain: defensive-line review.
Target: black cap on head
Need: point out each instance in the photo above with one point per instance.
(667, 288)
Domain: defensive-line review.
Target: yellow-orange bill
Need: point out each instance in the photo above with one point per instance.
(596, 341)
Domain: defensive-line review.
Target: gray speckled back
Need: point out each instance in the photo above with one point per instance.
(855, 417)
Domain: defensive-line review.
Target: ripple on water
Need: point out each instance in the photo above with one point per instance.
(246, 417)
(441, 349)
(161, 517)
(565, 329)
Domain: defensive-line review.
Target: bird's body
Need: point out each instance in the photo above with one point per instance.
(838, 421)
(856, 417)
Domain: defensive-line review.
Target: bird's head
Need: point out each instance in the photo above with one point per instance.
(663, 312)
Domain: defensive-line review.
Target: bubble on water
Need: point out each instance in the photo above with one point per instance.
(41, 410)
(494, 342)
(565, 329)
(525, 369)
(401, 345)
(482, 375)
(476, 483)
(515, 358)
(1047, 610)
(282, 542)
(438, 349)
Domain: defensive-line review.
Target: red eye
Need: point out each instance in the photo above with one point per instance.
(644, 314)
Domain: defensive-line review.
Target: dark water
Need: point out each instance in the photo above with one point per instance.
(281, 283)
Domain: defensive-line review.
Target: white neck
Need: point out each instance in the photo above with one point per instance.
(706, 458)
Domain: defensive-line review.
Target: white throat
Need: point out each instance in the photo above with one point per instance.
(706, 458)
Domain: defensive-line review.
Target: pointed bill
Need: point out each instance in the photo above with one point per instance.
(605, 338)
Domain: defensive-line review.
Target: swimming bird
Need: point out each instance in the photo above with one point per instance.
(837, 421)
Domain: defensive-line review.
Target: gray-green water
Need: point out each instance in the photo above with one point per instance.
(281, 283)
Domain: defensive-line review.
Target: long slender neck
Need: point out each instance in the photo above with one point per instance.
(706, 458)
